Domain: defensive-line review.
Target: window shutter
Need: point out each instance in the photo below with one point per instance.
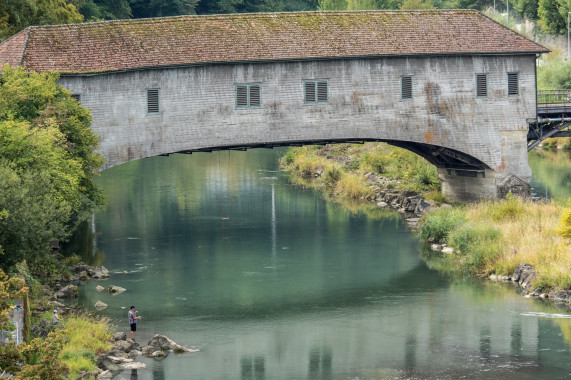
(255, 96)
(153, 100)
(406, 87)
(310, 92)
(241, 96)
(481, 85)
(513, 85)
(322, 92)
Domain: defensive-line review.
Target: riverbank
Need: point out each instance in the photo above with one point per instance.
(488, 238)
(368, 178)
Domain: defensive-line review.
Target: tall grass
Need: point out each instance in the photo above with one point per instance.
(342, 164)
(494, 237)
(85, 338)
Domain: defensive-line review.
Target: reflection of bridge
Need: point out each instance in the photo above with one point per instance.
(553, 117)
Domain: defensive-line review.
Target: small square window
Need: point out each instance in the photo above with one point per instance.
(513, 84)
(76, 97)
(316, 91)
(153, 100)
(406, 88)
(481, 85)
(248, 95)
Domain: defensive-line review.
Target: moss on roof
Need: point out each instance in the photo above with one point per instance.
(188, 40)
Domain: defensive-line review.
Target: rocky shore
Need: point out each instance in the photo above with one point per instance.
(410, 204)
(523, 276)
(124, 352)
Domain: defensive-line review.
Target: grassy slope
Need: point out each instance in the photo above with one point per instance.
(494, 237)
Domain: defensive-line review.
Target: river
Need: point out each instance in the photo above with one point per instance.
(219, 252)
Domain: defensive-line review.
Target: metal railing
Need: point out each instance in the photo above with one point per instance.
(554, 98)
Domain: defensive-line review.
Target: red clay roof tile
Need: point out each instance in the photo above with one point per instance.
(187, 40)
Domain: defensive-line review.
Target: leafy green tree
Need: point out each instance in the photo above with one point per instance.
(16, 15)
(159, 8)
(550, 16)
(417, 4)
(354, 5)
(48, 160)
(526, 8)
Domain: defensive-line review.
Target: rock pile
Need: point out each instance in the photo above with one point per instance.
(124, 352)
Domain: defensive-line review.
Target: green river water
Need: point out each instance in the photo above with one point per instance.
(219, 252)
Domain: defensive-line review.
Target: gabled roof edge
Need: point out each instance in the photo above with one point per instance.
(547, 50)
(25, 31)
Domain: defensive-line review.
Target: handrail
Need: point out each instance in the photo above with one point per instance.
(547, 98)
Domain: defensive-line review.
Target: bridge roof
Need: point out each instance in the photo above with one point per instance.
(191, 40)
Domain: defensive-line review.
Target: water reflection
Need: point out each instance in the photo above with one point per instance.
(253, 368)
(320, 363)
(551, 174)
(295, 287)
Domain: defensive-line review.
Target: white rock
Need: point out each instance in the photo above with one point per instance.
(494, 277)
(133, 365)
(436, 247)
(99, 288)
(100, 305)
(448, 250)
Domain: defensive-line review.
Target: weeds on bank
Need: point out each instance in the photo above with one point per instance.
(494, 237)
(341, 167)
(85, 337)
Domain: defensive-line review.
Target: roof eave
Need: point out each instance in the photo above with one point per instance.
(198, 64)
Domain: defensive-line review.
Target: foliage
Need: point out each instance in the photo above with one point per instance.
(496, 242)
(10, 288)
(509, 208)
(85, 337)
(478, 244)
(564, 228)
(16, 15)
(437, 225)
(417, 4)
(351, 5)
(40, 358)
(526, 8)
(159, 8)
(47, 164)
(551, 17)
(554, 73)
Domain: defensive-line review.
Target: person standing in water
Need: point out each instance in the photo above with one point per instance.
(133, 321)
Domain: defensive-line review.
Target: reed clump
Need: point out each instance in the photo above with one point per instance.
(495, 236)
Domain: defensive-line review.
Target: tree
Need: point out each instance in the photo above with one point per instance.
(159, 8)
(550, 17)
(527, 8)
(16, 15)
(417, 4)
(48, 162)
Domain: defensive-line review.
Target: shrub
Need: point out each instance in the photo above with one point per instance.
(332, 174)
(506, 209)
(564, 228)
(436, 225)
(478, 243)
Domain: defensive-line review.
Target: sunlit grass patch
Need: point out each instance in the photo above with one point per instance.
(494, 237)
(85, 337)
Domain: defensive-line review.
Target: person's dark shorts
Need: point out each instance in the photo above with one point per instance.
(133, 327)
